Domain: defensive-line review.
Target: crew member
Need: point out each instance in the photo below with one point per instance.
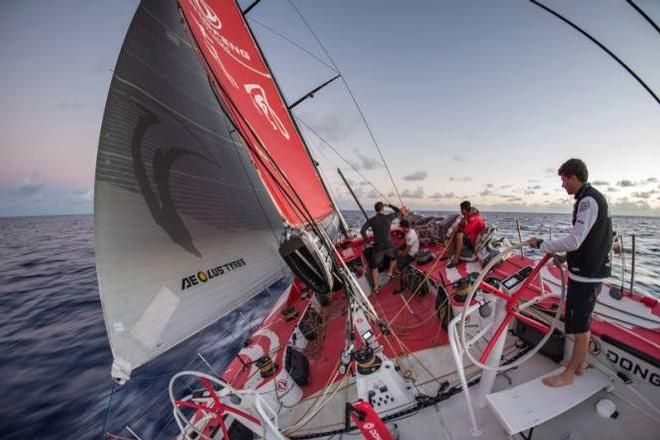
(587, 248)
(407, 256)
(382, 246)
(468, 231)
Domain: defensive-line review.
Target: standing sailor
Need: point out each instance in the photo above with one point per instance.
(382, 246)
(587, 248)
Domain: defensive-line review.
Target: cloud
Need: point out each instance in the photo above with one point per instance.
(600, 183)
(81, 195)
(505, 186)
(489, 185)
(447, 195)
(534, 187)
(417, 194)
(651, 180)
(625, 183)
(643, 194)
(417, 175)
(391, 194)
(457, 158)
(363, 183)
(30, 185)
(549, 172)
(612, 189)
(623, 206)
(332, 128)
(486, 193)
(366, 163)
(460, 179)
(532, 180)
(373, 194)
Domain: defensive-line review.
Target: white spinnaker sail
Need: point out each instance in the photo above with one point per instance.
(185, 231)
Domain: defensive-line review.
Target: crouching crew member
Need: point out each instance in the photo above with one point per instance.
(466, 236)
(408, 253)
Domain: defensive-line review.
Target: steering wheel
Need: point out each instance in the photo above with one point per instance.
(514, 309)
(213, 410)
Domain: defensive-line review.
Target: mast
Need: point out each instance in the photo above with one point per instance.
(352, 193)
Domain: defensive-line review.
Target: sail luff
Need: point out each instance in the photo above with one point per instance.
(288, 109)
(256, 106)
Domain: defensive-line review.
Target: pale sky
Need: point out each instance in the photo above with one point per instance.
(478, 100)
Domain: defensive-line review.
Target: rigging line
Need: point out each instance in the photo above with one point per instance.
(643, 14)
(109, 409)
(341, 157)
(303, 213)
(321, 153)
(350, 92)
(289, 40)
(599, 44)
(297, 203)
(228, 124)
(278, 89)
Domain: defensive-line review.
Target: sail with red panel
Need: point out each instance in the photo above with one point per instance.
(251, 98)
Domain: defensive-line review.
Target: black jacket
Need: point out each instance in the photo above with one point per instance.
(592, 258)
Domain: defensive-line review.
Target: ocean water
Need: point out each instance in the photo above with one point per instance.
(54, 354)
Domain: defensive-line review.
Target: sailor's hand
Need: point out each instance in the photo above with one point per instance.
(533, 242)
(405, 209)
(558, 259)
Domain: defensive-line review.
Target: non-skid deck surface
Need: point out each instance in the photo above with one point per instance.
(416, 331)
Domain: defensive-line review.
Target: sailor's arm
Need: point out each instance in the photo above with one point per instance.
(587, 213)
(396, 210)
(365, 226)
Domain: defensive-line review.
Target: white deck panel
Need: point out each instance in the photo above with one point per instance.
(532, 403)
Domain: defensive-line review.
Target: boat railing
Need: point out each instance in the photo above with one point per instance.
(271, 420)
(457, 351)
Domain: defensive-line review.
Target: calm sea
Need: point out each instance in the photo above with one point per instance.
(54, 354)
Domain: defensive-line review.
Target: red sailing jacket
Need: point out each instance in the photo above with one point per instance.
(474, 224)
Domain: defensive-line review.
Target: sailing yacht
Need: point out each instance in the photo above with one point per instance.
(206, 194)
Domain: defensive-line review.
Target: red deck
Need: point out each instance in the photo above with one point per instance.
(417, 330)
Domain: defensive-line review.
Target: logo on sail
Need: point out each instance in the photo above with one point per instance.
(202, 277)
(210, 28)
(258, 96)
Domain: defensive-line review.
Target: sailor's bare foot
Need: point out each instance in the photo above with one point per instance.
(560, 380)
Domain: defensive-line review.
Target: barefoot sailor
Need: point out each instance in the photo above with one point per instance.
(587, 248)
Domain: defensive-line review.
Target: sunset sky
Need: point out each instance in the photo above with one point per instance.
(478, 100)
